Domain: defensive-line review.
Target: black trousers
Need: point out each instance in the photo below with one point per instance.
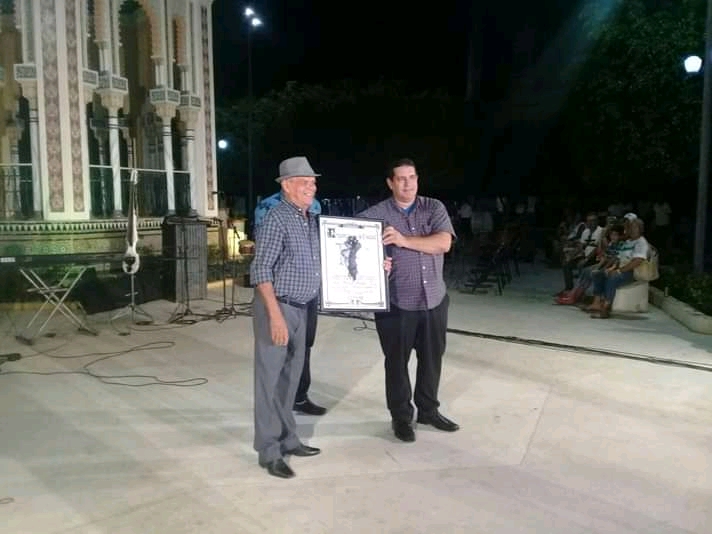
(305, 380)
(399, 332)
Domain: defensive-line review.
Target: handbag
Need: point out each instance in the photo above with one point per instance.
(647, 270)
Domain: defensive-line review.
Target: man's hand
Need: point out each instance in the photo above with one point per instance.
(388, 265)
(279, 331)
(391, 236)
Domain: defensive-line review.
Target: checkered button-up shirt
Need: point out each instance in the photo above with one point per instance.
(287, 253)
(416, 281)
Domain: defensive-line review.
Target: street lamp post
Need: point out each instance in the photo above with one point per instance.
(693, 64)
(253, 22)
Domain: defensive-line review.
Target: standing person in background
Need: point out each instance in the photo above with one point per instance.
(418, 232)
(302, 403)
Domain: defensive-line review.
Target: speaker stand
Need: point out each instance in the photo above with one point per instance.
(133, 310)
(182, 314)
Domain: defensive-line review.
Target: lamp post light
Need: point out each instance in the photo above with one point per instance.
(253, 22)
(692, 64)
(223, 144)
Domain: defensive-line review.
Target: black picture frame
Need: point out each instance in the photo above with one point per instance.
(353, 278)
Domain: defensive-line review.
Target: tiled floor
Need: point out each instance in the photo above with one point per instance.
(552, 441)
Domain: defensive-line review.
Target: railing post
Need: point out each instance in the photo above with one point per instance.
(13, 202)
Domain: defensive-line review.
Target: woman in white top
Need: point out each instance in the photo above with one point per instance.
(633, 252)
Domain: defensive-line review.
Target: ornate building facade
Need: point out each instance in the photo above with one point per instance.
(89, 90)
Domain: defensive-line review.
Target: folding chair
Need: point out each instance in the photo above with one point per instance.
(55, 296)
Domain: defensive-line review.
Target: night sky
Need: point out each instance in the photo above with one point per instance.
(317, 41)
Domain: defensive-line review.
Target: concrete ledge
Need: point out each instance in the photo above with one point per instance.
(683, 313)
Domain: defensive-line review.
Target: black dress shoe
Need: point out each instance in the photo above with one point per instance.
(303, 450)
(307, 407)
(403, 431)
(278, 468)
(439, 421)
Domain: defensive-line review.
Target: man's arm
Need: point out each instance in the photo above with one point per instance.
(631, 265)
(268, 246)
(437, 243)
(439, 240)
(266, 291)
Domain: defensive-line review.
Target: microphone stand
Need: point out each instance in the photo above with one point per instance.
(225, 312)
(234, 269)
(132, 308)
(131, 261)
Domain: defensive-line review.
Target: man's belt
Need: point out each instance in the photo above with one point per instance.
(293, 303)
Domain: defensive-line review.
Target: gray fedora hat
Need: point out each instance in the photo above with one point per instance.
(296, 166)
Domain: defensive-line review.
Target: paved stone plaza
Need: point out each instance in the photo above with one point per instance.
(553, 440)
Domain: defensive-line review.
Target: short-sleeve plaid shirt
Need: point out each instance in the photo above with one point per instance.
(287, 253)
(416, 281)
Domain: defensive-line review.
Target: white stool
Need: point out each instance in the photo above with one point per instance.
(631, 297)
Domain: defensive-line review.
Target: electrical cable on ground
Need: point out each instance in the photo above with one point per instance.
(549, 345)
(137, 380)
(244, 311)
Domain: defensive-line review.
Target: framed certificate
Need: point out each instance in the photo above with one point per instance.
(352, 256)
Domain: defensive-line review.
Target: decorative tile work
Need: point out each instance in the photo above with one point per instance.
(208, 99)
(74, 227)
(74, 105)
(29, 238)
(51, 101)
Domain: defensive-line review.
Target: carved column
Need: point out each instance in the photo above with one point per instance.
(126, 133)
(26, 76)
(189, 112)
(113, 90)
(166, 102)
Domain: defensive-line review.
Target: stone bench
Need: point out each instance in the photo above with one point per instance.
(632, 297)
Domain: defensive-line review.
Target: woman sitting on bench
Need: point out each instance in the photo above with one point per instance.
(633, 251)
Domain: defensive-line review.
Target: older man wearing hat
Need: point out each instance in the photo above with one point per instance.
(302, 403)
(286, 274)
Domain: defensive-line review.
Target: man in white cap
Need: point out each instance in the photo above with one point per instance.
(286, 274)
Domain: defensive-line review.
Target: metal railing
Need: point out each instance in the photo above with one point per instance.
(16, 201)
(152, 191)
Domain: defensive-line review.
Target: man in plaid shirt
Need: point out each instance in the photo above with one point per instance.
(418, 232)
(286, 273)
(302, 403)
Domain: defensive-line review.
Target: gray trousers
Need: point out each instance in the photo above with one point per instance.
(277, 372)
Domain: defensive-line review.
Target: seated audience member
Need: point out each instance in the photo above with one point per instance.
(582, 252)
(633, 251)
(607, 258)
(567, 232)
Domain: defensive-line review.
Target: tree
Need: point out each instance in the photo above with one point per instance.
(350, 131)
(632, 119)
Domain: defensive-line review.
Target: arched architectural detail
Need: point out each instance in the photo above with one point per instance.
(91, 88)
